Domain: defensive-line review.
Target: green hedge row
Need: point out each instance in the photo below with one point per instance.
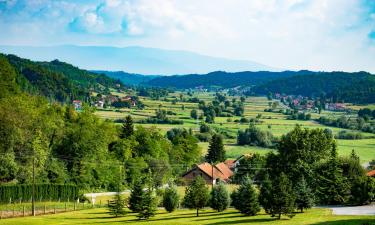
(43, 192)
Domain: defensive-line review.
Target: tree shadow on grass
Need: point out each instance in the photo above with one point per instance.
(349, 222)
(244, 221)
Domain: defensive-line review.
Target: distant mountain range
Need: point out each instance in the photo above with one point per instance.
(138, 60)
(127, 78)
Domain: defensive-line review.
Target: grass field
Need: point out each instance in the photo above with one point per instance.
(277, 123)
(209, 217)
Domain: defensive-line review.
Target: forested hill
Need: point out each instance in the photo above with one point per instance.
(127, 78)
(222, 79)
(55, 80)
(348, 87)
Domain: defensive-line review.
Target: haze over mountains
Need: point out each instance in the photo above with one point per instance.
(138, 60)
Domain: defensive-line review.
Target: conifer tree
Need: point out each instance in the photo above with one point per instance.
(171, 199)
(265, 196)
(245, 199)
(196, 194)
(219, 197)
(116, 207)
(136, 196)
(304, 195)
(283, 199)
(148, 205)
(216, 151)
(127, 127)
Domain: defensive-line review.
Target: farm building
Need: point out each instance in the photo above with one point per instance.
(371, 173)
(211, 174)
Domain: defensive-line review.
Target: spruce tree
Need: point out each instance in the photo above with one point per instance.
(148, 205)
(245, 199)
(265, 196)
(283, 199)
(170, 199)
(304, 195)
(219, 197)
(216, 151)
(196, 194)
(127, 127)
(136, 196)
(116, 207)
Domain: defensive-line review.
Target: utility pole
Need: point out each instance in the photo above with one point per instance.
(212, 175)
(33, 189)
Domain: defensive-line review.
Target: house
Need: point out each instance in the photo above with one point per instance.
(371, 173)
(335, 106)
(211, 174)
(77, 104)
(99, 104)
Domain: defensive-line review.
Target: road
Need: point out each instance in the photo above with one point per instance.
(352, 210)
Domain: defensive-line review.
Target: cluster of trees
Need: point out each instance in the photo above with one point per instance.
(161, 117)
(220, 106)
(348, 123)
(350, 135)
(255, 136)
(153, 93)
(366, 114)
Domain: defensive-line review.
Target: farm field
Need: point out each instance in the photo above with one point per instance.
(275, 122)
(209, 217)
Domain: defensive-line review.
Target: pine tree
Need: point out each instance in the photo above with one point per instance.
(148, 205)
(196, 194)
(116, 207)
(170, 199)
(283, 199)
(136, 196)
(216, 151)
(245, 199)
(219, 197)
(332, 187)
(127, 127)
(304, 195)
(265, 197)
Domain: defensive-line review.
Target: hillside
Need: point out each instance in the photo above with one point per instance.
(222, 79)
(340, 86)
(127, 78)
(55, 80)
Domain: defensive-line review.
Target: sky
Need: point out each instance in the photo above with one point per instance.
(292, 34)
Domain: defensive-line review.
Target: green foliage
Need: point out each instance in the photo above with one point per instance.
(265, 196)
(245, 199)
(196, 194)
(137, 194)
(171, 199)
(283, 197)
(194, 114)
(148, 205)
(127, 127)
(216, 151)
(116, 207)
(304, 195)
(254, 136)
(219, 197)
(249, 166)
(8, 77)
(43, 192)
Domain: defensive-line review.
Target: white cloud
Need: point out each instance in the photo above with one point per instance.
(296, 34)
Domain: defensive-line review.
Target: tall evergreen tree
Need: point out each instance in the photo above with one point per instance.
(216, 151)
(245, 199)
(127, 127)
(283, 199)
(136, 196)
(196, 194)
(332, 186)
(265, 196)
(219, 197)
(304, 195)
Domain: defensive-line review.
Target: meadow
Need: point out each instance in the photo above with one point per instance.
(275, 122)
(208, 217)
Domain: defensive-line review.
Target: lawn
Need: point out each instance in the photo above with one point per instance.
(209, 217)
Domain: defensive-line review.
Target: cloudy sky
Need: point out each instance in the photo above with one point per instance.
(291, 34)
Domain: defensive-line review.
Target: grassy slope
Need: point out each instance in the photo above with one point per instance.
(99, 216)
(275, 122)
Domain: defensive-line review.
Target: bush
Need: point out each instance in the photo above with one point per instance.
(349, 135)
(219, 197)
(203, 137)
(245, 199)
(170, 199)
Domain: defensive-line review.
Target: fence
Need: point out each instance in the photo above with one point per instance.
(21, 209)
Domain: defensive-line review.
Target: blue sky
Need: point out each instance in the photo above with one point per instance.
(291, 34)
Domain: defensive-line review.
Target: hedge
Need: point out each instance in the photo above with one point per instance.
(43, 192)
